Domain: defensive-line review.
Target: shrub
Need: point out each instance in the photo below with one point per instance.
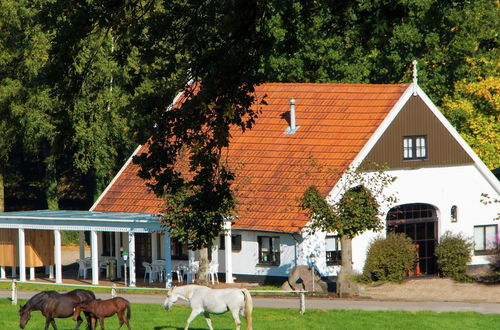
(453, 254)
(390, 258)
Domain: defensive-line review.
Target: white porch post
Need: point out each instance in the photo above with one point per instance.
(154, 246)
(168, 261)
(189, 277)
(95, 257)
(57, 255)
(32, 273)
(117, 255)
(22, 254)
(131, 258)
(2, 272)
(81, 240)
(228, 252)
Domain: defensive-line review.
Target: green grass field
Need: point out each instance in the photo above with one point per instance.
(156, 318)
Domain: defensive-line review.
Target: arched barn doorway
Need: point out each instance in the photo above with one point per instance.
(419, 222)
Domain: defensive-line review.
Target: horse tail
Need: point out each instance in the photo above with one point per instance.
(248, 308)
(129, 312)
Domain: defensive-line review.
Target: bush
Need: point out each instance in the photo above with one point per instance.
(390, 258)
(453, 254)
(70, 237)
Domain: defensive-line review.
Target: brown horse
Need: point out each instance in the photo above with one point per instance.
(55, 305)
(99, 309)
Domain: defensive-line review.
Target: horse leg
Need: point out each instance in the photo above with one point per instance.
(101, 322)
(93, 321)
(53, 322)
(236, 317)
(209, 321)
(79, 321)
(121, 318)
(194, 313)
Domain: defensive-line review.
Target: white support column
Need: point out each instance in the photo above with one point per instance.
(100, 243)
(117, 255)
(81, 241)
(32, 273)
(154, 247)
(2, 272)
(13, 272)
(168, 260)
(131, 258)
(57, 255)
(228, 252)
(22, 254)
(51, 271)
(95, 257)
(191, 257)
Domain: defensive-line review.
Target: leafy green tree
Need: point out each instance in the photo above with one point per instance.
(356, 211)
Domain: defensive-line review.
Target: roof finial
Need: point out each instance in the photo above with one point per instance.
(414, 71)
(415, 80)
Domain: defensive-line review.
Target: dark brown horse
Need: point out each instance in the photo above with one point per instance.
(55, 305)
(99, 309)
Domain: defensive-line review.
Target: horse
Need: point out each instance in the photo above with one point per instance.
(205, 300)
(55, 305)
(99, 309)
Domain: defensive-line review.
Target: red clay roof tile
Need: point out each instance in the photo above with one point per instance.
(273, 169)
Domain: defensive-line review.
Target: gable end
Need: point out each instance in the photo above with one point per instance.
(416, 119)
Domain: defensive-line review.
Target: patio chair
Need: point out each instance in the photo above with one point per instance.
(179, 272)
(82, 268)
(193, 269)
(149, 271)
(213, 269)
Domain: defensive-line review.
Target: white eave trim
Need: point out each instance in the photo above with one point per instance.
(483, 169)
(374, 138)
(129, 160)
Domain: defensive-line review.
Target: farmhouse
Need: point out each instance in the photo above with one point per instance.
(312, 134)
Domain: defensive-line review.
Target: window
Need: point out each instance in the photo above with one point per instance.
(415, 147)
(235, 242)
(333, 250)
(454, 213)
(485, 239)
(269, 250)
(178, 250)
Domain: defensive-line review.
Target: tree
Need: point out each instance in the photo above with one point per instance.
(356, 211)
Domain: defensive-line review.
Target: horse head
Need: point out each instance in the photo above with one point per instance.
(24, 316)
(77, 310)
(172, 297)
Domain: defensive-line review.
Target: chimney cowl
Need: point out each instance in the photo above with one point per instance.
(293, 127)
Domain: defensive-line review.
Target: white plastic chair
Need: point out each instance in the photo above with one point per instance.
(158, 267)
(178, 271)
(213, 272)
(82, 268)
(193, 269)
(148, 271)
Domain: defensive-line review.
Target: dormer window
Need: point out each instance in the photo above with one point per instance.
(415, 147)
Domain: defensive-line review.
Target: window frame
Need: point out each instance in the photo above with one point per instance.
(176, 248)
(273, 256)
(485, 251)
(235, 242)
(413, 148)
(333, 257)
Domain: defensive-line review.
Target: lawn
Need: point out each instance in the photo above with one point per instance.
(156, 318)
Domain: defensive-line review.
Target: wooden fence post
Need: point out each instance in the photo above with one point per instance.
(14, 293)
(302, 303)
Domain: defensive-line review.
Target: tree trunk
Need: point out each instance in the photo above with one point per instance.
(51, 179)
(203, 271)
(2, 192)
(346, 287)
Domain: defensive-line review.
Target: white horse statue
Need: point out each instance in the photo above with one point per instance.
(205, 300)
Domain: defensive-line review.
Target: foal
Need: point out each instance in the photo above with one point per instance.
(99, 309)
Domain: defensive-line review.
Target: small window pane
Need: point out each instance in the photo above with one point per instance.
(479, 238)
(490, 237)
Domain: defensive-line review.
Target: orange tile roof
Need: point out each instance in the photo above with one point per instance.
(273, 169)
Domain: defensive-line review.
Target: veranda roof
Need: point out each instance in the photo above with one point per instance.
(81, 221)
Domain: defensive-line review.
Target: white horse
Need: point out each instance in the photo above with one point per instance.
(205, 300)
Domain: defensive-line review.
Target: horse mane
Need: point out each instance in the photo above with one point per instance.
(186, 291)
(38, 300)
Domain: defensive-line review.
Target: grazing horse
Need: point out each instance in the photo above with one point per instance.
(205, 300)
(99, 309)
(55, 305)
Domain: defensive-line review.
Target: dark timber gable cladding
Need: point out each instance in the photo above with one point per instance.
(415, 118)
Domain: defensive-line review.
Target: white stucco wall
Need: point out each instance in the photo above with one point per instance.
(246, 261)
(441, 187)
